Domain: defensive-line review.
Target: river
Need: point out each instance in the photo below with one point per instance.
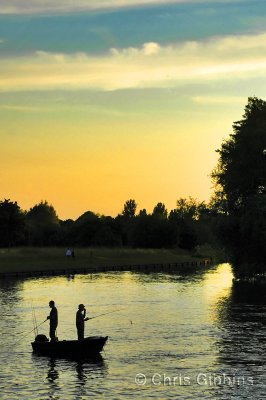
(175, 336)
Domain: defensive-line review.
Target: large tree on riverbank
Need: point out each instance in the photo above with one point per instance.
(12, 223)
(240, 197)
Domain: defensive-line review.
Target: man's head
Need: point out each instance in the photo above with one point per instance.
(51, 303)
(81, 307)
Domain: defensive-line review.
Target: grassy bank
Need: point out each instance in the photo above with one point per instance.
(53, 258)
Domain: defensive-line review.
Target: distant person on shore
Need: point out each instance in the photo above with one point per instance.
(53, 318)
(72, 253)
(80, 319)
(68, 253)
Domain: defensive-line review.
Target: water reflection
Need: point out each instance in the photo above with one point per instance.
(177, 275)
(169, 324)
(81, 373)
(10, 291)
(89, 368)
(52, 374)
(249, 292)
(69, 375)
(241, 317)
(245, 303)
(85, 368)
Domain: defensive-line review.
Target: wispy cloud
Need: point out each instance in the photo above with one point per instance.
(150, 66)
(12, 107)
(64, 6)
(213, 100)
(61, 107)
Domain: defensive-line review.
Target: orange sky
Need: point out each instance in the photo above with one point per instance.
(95, 112)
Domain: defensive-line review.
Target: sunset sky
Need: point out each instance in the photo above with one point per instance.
(106, 100)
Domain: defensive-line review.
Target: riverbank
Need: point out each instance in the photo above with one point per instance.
(32, 260)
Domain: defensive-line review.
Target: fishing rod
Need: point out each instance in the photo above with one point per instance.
(110, 312)
(35, 327)
(34, 320)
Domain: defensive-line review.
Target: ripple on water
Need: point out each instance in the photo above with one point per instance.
(172, 329)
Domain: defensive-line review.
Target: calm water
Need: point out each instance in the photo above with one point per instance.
(198, 336)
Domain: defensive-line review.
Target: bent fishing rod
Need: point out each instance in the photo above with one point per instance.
(110, 312)
(32, 330)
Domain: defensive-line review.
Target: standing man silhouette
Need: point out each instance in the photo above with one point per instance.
(53, 317)
(80, 319)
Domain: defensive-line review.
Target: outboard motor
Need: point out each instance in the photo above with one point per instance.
(41, 338)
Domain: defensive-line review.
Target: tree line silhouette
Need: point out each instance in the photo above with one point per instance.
(189, 224)
(234, 219)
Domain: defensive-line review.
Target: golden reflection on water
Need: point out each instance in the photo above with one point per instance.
(170, 323)
(217, 286)
(216, 290)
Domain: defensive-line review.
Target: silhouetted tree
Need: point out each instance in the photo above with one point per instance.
(187, 222)
(130, 208)
(187, 209)
(107, 233)
(141, 230)
(142, 212)
(126, 222)
(240, 197)
(204, 225)
(65, 235)
(152, 231)
(85, 228)
(12, 223)
(42, 224)
(241, 169)
(160, 211)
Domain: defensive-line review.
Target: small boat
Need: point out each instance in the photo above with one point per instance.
(87, 347)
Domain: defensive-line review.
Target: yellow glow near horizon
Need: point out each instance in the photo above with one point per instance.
(88, 132)
(93, 166)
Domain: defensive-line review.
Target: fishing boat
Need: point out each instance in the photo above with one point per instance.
(90, 346)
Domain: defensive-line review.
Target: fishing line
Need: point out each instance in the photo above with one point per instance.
(35, 322)
(30, 331)
(34, 319)
(110, 312)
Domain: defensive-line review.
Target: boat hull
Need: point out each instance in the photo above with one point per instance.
(90, 346)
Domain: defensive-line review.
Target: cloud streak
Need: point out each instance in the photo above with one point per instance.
(150, 66)
(213, 100)
(65, 6)
(11, 107)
